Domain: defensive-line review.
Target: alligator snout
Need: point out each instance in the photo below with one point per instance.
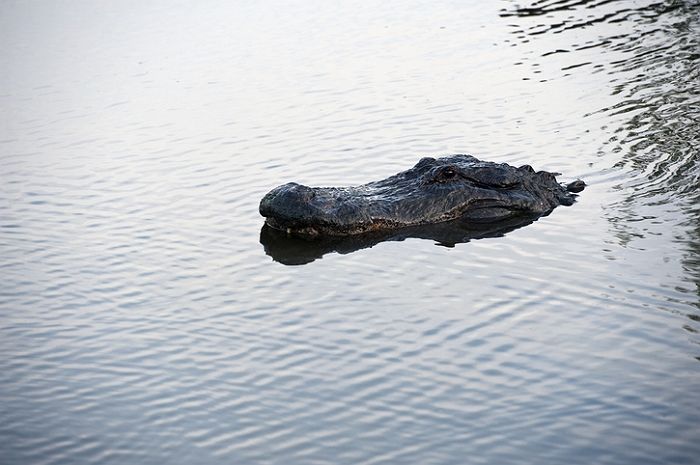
(291, 201)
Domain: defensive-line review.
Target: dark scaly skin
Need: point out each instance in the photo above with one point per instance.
(433, 191)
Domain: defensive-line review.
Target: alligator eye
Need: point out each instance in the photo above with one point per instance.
(445, 174)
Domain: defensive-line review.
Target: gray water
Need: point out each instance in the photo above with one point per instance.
(143, 322)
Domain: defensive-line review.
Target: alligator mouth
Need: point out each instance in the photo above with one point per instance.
(296, 227)
(485, 211)
(318, 228)
(476, 211)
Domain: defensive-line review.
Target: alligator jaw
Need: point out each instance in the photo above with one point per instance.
(323, 229)
(482, 211)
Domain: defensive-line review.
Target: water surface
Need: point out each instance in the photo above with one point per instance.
(143, 322)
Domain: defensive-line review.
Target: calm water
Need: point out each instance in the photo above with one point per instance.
(143, 322)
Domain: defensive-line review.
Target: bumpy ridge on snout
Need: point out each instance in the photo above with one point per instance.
(433, 191)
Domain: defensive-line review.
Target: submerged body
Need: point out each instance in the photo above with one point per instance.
(433, 191)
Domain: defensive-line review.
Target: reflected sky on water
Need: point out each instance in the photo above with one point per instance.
(143, 321)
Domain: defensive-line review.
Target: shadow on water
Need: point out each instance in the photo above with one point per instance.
(651, 51)
(292, 250)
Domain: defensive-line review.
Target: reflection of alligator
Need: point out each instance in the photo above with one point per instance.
(291, 250)
(433, 191)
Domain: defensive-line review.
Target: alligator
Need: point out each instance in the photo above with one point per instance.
(435, 190)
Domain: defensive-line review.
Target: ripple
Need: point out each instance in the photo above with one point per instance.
(142, 322)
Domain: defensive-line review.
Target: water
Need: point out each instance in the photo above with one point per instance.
(142, 322)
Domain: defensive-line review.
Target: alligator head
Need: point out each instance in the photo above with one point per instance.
(433, 191)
